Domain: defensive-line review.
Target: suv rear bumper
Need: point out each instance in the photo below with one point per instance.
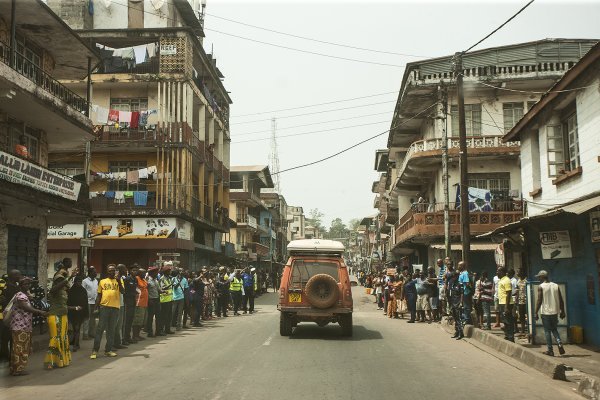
(314, 312)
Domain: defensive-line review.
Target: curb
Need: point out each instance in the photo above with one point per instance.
(588, 386)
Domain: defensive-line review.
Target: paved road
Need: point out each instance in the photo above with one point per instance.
(245, 358)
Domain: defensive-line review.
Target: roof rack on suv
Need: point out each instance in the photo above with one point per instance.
(315, 246)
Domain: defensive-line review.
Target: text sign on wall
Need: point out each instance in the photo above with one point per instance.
(16, 170)
(168, 49)
(67, 231)
(555, 244)
(595, 225)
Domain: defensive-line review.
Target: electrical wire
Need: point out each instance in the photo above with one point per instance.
(316, 112)
(305, 51)
(313, 105)
(270, 44)
(312, 132)
(311, 124)
(501, 26)
(315, 40)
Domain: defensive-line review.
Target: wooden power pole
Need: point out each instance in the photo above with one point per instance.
(465, 231)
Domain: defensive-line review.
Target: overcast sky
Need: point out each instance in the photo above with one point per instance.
(264, 78)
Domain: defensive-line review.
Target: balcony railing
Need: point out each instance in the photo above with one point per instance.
(474, 142)
(41, 78)
(427, 219)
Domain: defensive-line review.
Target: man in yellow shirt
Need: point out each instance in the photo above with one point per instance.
(108, 303)
(506, 305)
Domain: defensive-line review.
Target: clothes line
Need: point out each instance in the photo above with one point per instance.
(133, 119)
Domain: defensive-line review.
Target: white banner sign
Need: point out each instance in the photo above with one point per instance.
(555, 244)
(140, 228)
(68, 231)
(16, 170)
(168, 49)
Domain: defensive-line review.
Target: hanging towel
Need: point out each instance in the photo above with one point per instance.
(135, 120)
(119, 197)
(120, 176)
(133, 176)
(113, 117)
(143, 118)
(125, 116)
(93, 194)
(128, 195)
(152, 170)
(143, 173)
(140, 198)
(102, 116)
(109, 195)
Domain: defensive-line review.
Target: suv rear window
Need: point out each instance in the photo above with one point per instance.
(302, 271)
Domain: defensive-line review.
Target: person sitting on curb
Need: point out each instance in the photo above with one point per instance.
(550, 301)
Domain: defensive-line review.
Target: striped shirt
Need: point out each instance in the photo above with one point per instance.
(486, 291)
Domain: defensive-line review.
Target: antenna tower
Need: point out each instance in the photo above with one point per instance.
(274, 157)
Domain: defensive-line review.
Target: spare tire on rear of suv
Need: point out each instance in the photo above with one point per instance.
(321, 291)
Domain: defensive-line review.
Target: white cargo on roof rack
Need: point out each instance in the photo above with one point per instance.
(315, 245)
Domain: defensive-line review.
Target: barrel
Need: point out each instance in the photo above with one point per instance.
(577, 334)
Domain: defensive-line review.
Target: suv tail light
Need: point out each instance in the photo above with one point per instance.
(282, 293)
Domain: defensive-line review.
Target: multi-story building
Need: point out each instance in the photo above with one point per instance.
(500, 85)
(560, 181)
(278, 209)
(38, 115)
(250, 213)
(160, 158)
(296, 223)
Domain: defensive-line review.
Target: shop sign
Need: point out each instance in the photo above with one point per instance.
(168, 49)
(555, 244)
(499, 255)
(67, 231)
(16, 170)
(595, 226)
(139, 228)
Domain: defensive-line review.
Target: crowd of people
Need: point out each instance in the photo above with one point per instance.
(466, 297)
(128, 304)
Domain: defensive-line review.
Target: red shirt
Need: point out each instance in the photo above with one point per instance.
(143, 295)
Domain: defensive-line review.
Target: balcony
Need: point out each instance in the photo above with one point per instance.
(260, 249)
(426, 221)
(42, 79)
(425, 155)
(246, 221)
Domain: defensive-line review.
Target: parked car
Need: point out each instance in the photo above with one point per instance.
(315, 286)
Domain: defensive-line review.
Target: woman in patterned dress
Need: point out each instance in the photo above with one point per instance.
(59, 354)
(21, 326)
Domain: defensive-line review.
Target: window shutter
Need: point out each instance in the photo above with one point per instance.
(554, 140)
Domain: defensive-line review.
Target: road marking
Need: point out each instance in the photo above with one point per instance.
(268, 341)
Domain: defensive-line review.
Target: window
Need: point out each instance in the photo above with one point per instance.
(133, 104)
(69, 169)
(125, 166)
(296, 219)
(513, 112)
(563, 146)
(472, 119)
(302, 271)
(22, 136)
(497, 183)
(28, 58)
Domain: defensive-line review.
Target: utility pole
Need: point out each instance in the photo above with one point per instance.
(443, 110)
(465, 231)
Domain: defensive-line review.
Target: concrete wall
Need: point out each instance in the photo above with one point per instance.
(588, 121)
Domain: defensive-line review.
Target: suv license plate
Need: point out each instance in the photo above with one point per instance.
(295, 297)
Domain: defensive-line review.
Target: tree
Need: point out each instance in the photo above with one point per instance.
(338, 229)
(315, 218)
(353, 224)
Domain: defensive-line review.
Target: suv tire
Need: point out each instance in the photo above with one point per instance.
(346, 324)
(321, 291)
(285, 325)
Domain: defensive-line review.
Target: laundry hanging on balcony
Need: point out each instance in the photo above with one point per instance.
(132, 176)
(132, 119)
(479, 199)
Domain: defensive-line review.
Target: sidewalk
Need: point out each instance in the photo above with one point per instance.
(580, 364)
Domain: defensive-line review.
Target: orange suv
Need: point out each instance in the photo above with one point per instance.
(315, 286)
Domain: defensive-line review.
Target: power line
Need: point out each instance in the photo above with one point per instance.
(309, 133)
(305, 51)
(312, 123)
(313, 105)
(316, 112)
(356, 144)
(500, 27)
(315, 40)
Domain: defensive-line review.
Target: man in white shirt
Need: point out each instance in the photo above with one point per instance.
(90, 283)
(496, 303)
(550, 303)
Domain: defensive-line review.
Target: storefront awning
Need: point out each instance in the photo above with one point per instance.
(474, 246)
(577, 208)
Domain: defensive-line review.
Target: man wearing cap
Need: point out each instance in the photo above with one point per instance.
(550, 303)
(248, 280)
